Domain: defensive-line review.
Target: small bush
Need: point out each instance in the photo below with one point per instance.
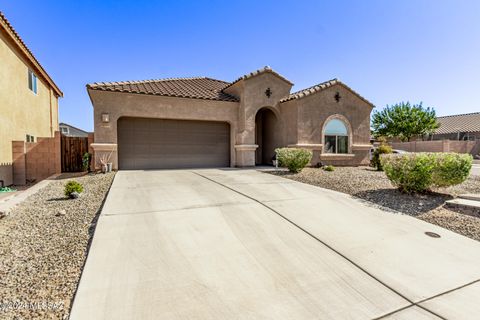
(382, 149)
(72, 186)
(328, 168)
(409, 172)
(294, 159)
(418, 172)
(451, 169)
(86, 161)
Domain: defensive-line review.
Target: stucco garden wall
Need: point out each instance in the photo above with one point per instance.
(35, 161)
(438, 146)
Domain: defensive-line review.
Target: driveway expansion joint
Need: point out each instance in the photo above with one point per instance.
(407, 307)
(223, 204)
(448, 291)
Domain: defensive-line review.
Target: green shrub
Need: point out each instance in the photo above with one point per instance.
(410, 172)
(72, 186)
(86, 161)
(451, 169)
(418, 172)
(294, 159)
(382, 149)
(328, 168)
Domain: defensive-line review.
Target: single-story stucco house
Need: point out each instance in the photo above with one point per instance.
(203, 122)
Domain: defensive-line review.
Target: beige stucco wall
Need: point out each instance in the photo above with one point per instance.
(310, 114)
(251, 93)
(22, 112)
(119, 105)
(299, 123)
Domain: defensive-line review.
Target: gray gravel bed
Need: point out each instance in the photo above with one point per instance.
(375, 188)
(43, 246)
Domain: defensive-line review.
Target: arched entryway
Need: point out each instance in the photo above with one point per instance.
(265, 130)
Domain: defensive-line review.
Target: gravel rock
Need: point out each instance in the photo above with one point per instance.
(374, 187)
(61, 213)
(74, 195)
(41, 257)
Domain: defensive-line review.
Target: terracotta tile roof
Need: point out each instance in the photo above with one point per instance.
(10, 31)
(319, 87)
(469, 122)
(196, 88)
(257, 72)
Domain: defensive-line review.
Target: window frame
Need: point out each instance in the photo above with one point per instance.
(348, 136)
(336, 144)
(32, 82)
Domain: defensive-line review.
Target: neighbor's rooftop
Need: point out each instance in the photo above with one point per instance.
(469, 122)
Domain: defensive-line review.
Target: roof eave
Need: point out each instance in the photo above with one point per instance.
(13, 35)
(313, 90)
(258, 72)
(90, 88)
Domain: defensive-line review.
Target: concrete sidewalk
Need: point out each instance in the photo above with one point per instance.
(240, 244)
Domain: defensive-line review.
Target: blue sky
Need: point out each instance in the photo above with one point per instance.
(388, 51)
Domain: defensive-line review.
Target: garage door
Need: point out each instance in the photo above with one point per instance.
(166, 144)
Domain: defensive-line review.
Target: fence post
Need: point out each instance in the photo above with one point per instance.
(57, 146)
(446, 145)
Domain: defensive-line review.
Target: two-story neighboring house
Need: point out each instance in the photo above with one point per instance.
(28, 97)
(71, 131)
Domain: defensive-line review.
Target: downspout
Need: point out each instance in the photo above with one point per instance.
(51, 120)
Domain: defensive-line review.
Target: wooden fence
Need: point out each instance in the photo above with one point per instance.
(73, 149)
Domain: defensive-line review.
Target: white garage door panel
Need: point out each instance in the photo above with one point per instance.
(158, 143)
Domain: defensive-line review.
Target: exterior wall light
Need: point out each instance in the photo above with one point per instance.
(105, 117)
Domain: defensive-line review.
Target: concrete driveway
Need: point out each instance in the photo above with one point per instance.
(241, 244)
(475, 170)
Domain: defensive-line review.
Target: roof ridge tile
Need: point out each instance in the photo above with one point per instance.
(257, 72)
(192, 87)
(319, 87)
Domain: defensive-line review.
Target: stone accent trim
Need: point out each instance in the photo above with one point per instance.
(312, 146)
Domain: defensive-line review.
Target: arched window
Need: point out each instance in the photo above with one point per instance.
(336, 137)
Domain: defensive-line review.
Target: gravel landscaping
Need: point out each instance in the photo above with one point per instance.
(374, 187)
(43, 246)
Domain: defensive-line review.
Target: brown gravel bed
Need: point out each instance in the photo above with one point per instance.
(43, 246)
(374, 187)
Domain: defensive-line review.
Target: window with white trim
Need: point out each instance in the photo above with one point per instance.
(336, 137)
(32, 81)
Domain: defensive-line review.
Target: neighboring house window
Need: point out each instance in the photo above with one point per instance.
(336, 137)
(32, 81)
(64, 130)
(30, 138)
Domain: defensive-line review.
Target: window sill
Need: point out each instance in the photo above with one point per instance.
(337, 155)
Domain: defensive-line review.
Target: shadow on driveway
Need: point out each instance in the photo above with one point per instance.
(394, 200)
